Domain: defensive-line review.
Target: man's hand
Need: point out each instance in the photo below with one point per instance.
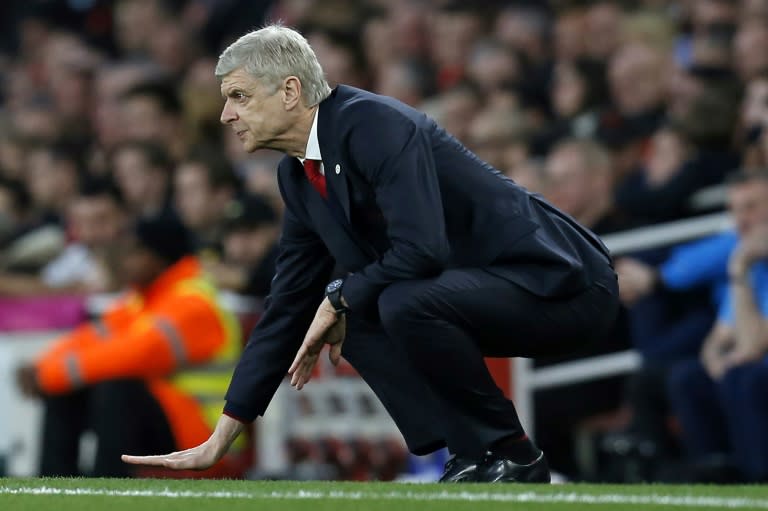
(201, 457)
(714, 352)
(636, 280)
(753, 248)
(26, 379)
(327, 328)
(742, 353)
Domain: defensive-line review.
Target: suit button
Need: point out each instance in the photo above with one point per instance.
(338, 168)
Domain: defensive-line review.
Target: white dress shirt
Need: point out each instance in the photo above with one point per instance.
(313, 145)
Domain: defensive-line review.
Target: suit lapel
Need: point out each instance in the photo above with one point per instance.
(335, 174)
(337, 234)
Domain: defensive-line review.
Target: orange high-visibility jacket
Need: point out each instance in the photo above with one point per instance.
(174, 335)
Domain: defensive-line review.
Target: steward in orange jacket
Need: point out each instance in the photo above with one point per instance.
(152, 371)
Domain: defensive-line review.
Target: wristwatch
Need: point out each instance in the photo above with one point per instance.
(333, 293)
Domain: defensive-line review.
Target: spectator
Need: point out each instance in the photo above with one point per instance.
(14, 206)
(136, 21)
(205, 187)
(492, 66)
(454, 29)
(260, 178)
(749, 59)
(530, 175)
(525, 30)
(668, 324)
(201, 102)
(579, 181)
(151, 112)
(754, 120)
(577, 96)
(688, 154)
(719, 399)
(250, 248)
(112, 82)
(603, 23)
(455, 107)
(404, 80)
(342, 57)
(142, 173)
(499, 137)
(51, 179)
(96, 221)
(636, 79)
(162, 353)
(569, 30)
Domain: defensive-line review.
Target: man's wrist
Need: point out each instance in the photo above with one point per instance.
(738, 270)
(738, 278)
(334, 296)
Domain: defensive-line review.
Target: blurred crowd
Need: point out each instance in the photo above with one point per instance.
(618, 112)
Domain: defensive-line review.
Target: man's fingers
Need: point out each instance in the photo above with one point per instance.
(184, 460)
(334, 354)
(311, 345)
(297, 359)
(303, 370)
(156, 461)
(304, 373)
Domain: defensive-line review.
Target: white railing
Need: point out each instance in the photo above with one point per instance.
(526, 379)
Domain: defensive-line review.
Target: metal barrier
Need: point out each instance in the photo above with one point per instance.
(526, 379)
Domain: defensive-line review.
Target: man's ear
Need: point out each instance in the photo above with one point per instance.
(291, 92)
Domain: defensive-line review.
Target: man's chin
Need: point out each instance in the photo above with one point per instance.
(250, 147)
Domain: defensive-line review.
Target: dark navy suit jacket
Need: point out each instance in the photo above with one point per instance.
(407, 201)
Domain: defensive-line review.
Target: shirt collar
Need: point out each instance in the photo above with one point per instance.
(313, 145)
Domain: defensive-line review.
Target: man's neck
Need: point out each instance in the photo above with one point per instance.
(295, 142)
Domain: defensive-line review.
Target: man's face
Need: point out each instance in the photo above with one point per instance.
(754, 109)
(748, 50)
(249, 246)
(133, 175)
(637, 79)
(138, 266)
(199, 205)
(255, 113)
(96, 221)
(748, 203)
(143, 119)
(567, 183)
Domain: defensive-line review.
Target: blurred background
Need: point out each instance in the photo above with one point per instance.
(628, 115)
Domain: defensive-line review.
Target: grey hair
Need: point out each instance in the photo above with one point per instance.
(272, 54)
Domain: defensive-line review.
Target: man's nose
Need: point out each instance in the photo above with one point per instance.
(228, 113)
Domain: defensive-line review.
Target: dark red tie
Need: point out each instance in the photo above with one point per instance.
(312, 170)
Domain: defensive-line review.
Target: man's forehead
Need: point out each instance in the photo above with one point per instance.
(237, 78)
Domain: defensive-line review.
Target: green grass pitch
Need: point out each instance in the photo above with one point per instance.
(188, 495)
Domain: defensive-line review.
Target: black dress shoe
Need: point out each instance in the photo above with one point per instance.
(459, 470)
(495, 468)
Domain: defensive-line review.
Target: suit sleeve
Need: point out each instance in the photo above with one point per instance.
(302, 270)
(395, 157)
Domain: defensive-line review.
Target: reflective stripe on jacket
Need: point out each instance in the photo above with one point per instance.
(174, 335)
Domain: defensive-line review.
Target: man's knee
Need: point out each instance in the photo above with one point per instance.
(398, 304)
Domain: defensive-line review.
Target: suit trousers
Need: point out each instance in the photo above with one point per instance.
(425, 357)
